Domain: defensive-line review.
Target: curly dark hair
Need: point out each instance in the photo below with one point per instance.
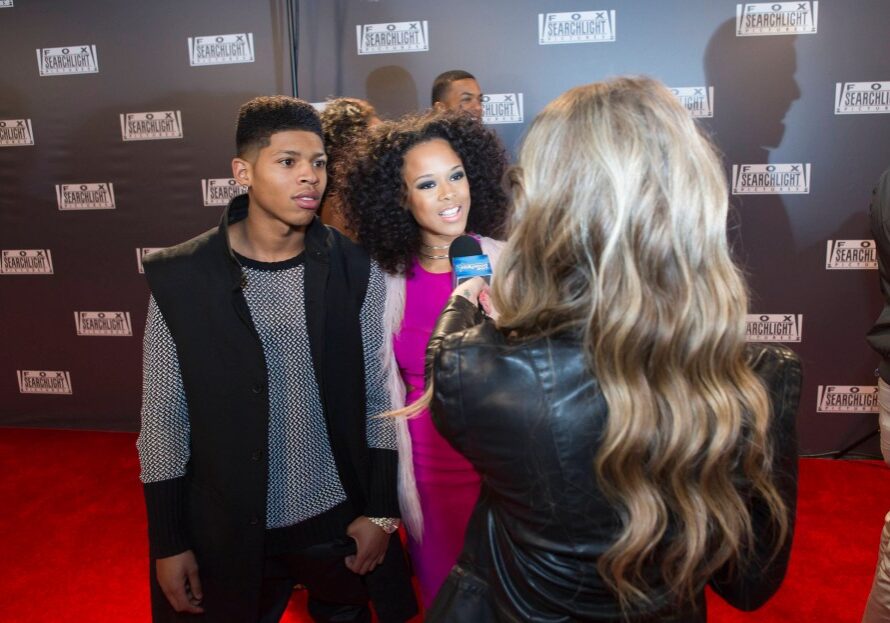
(344, 120)
(374, 190)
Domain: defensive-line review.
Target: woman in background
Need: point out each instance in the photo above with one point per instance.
(632, 447)
(344, 121)
(416, 185)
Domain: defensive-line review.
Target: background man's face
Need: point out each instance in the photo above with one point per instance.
(464, 95)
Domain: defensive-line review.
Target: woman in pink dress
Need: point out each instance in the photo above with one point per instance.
(408, 194)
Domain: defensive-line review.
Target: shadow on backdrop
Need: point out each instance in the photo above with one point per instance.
(754, 87)
(392, 91)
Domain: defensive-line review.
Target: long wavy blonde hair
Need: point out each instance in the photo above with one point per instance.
(620, 232)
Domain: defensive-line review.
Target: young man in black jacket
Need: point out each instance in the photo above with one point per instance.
(262, 462)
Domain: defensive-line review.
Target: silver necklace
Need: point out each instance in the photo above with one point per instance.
(436, 247)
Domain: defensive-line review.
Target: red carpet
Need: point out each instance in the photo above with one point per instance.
(74, 545)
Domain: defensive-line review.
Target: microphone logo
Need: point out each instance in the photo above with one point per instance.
(470, 266)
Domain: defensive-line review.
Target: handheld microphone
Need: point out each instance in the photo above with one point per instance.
(468, 261)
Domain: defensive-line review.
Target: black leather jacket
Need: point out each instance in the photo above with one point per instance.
(528, 416)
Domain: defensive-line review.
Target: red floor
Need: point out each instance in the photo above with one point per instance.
(74, 547)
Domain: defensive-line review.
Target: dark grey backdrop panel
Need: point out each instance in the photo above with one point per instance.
(143, 66)
(774, 103)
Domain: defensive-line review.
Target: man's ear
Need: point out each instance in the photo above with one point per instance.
(242, 171)
(439, 107)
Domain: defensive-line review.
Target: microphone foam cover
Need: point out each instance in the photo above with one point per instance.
(464, 246)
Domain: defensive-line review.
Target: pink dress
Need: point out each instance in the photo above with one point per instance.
(447, 484)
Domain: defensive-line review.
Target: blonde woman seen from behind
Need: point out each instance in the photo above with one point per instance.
(632, 447)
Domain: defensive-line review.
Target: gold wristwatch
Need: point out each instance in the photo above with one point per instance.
(387, 524)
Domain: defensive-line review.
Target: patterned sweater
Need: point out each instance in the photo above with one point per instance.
(303, 480)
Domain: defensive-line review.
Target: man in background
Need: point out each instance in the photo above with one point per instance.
(877, 610)
(457, 90)
(262, 459)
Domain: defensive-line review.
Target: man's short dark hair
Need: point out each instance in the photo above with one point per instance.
(264, 116)
(443, 82)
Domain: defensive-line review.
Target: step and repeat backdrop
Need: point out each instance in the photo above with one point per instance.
(795, 94)
(117, 122)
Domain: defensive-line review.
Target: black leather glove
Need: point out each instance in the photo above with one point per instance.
(459, 314)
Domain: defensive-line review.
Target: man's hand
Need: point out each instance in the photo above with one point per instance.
(370, 543)
(178, 577)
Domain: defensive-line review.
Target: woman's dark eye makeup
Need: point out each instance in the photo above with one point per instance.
(426, 184)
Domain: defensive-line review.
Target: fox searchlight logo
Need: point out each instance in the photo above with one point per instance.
(221, 49)
(16, 132)
(851, 255)
(26, 262)
(393, 38)
(754, 19)
(577, 27)
(861, 98)
(151, 126)
(75, 59)
(141, 252)
(103, 323)
(220, 190)
(771, 179)
(99, 196)
(773, 327)
(848, 399)
(502, 108)
(699, 101)
(44, 381)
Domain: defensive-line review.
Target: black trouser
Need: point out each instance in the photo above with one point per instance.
(336, 594)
